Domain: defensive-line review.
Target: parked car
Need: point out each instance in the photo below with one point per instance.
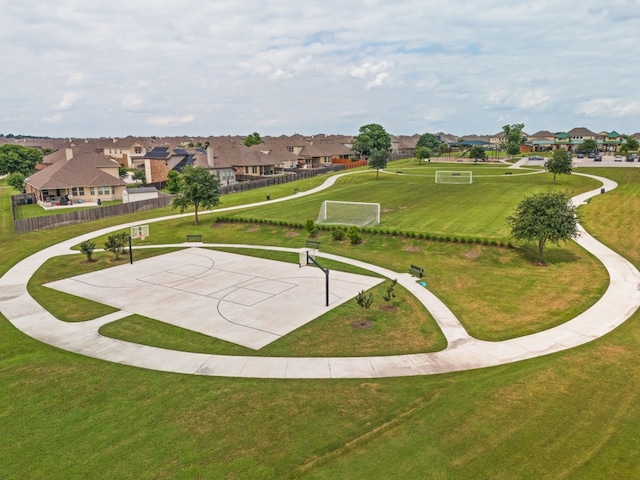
(632, 158)
(618, 158)
(580, 155)
(592, 155)
(597, 158)
(535, 157)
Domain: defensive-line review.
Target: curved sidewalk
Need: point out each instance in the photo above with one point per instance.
(463, 352)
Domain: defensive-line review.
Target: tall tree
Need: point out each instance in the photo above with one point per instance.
(199, 189)
(630, 145)
(16, 158)
(174, 181)
(544, 217)
(371, 137)
(428, 140)
(477, 152)
(587, 146)
(253, 139)
(16, 180)
(378, 160)
(560, 163)
(513, 138)
(423, 153)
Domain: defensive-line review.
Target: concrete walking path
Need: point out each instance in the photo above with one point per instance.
(463, 352)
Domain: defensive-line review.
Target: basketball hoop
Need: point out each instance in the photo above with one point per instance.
(140, 232)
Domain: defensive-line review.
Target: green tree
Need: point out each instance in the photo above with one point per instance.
(513, 138)
(477, 152)
(140, 175)
(444, 148)
(371, 137)
(115, 243)
(632, 144)
(16, 158)
(364, 300)
(174, 181)
(423, 153)
(16, 180)
(378, 160)
(428, 140)
(560, 163)
(587, 146)
(253, 139)
(86, 248)
(544, 217)
(353, 234)
(199, 189)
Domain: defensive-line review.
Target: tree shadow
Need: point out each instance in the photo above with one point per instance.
(552, 254)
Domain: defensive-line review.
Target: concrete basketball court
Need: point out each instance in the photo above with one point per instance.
(244, 300)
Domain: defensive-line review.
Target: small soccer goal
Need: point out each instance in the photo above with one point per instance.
(450, 176)
(349, 213)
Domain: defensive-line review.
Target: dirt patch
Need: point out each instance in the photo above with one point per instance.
(387, 308)
(362, 324)
(471, 254)
(291, 234)
(387, 210)
(253, 229)
(539, 264)
(411, 249)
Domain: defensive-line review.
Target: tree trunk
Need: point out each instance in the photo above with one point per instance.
(197, 223)
(540, 249)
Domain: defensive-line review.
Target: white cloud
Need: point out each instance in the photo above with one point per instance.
(395, 65)
(171, 121)
(375, 74)
(55, 119)
(609, 107)
(131, 101)
(67, 101)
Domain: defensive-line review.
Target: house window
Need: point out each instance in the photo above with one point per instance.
(138, 150)
(290, 149)
(92, 191)
(254, 169)
(77, 191)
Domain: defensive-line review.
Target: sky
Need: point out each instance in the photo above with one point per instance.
(87, 68)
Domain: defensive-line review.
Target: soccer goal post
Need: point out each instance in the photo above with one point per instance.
(349, 213)
(456, 177)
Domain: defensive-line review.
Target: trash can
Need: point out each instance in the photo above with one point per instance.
(602, 190)
(268, 197)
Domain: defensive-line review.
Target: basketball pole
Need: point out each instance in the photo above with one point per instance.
(130, 252)
(326, 276)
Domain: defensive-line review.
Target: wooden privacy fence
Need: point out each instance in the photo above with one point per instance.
(79, 216)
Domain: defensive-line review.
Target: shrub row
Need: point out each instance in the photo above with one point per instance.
(370, 231)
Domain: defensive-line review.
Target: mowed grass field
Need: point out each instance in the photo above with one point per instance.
(567, 415)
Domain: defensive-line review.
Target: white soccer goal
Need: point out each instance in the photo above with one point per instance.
(349, 213)
(450, 176)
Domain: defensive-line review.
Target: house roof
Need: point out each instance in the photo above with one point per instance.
(83, 170)
(581, 132)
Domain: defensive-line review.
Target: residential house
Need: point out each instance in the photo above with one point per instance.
(85, 177)
(541, 141)
(124, 150)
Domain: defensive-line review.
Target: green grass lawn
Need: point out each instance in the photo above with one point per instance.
(571, 415)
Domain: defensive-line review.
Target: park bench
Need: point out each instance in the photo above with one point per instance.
(313, 244)
(417, 271)
(508, 173)
(194, 238)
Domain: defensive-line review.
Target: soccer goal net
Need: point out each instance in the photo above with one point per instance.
(349, 213)
(449, 176)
